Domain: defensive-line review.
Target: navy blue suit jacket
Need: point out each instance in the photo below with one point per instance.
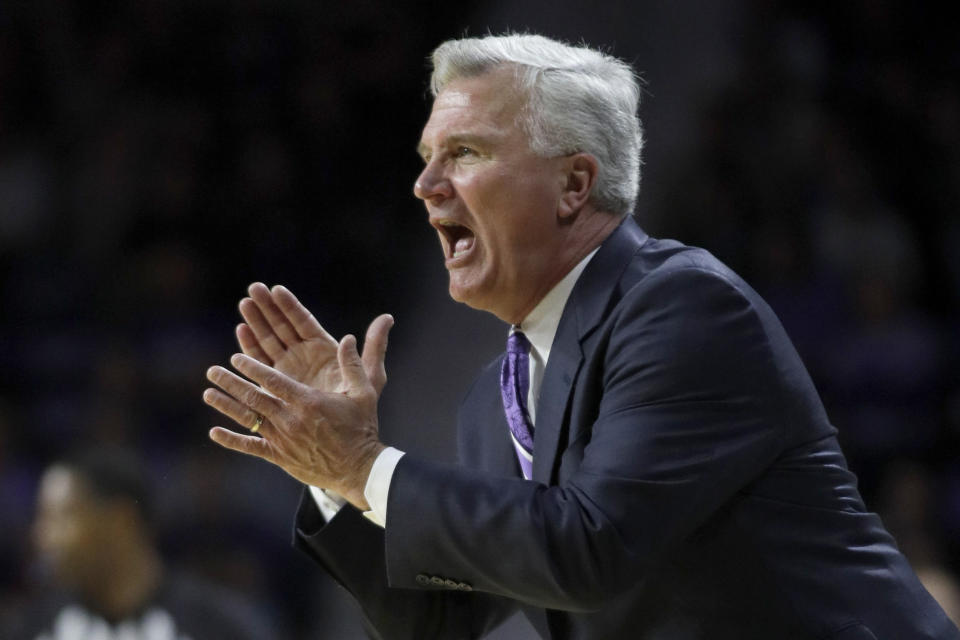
(687, 485)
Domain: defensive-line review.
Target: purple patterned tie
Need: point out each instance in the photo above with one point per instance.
(514, 384)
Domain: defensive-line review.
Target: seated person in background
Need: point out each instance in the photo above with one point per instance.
(94, 533)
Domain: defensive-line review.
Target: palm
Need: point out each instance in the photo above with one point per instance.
(312, 362)
(282, 333)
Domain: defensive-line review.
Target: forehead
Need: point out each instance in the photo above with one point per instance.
(486, 104)
(60, 487)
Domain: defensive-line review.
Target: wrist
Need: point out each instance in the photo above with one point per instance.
(356, 483)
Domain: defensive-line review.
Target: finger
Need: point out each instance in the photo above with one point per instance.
(249, 344)
(244, 391)
(351, 366)
(375, 350)
(272, 381)
(250, 445)
(264, 334)
(300, 318)
(277, 319)
(234, 410)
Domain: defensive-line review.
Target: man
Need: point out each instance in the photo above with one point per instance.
(648, 460)
(93, 530)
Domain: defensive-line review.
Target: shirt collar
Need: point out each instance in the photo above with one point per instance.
(540, 325)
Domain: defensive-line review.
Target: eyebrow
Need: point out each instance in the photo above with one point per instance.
(458, 138)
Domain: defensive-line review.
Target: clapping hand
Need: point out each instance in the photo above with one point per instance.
(314, 404)
(280, 332)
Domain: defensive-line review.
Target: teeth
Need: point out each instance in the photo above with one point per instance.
(462, 246)
(447, 223)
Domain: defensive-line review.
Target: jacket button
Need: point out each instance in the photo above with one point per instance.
(436, 581)
(451, 584)
(422, 579)
(463, 586)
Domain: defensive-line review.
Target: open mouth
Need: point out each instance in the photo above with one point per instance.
(459, 239)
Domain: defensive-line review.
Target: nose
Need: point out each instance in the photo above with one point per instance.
(432, 185)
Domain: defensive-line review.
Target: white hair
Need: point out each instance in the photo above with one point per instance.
(578, 100)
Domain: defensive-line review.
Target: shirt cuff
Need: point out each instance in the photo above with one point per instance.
(329, 502)
(377, 489)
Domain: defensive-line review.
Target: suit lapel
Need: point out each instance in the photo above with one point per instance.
(584, 310)
(502, 458)
(562, 368)
(484, 438)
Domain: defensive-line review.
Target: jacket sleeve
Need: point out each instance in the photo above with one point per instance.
(690, 406)
(351, 549)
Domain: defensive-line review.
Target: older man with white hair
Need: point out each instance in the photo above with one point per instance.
(649, 458)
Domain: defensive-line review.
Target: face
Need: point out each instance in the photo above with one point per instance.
(493, 202)
(69, 527)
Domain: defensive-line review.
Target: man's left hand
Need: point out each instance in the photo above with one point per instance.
(322, 438)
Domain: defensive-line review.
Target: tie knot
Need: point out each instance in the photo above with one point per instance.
(518, 344)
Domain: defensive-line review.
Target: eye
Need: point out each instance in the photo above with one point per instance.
(462, 152)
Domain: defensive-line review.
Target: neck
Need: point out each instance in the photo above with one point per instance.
(587, 233)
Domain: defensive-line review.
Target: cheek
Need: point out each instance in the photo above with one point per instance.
(511, 213)
(480, 192)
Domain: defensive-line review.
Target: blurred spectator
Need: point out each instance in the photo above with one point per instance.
(907, 503)
(95, 537)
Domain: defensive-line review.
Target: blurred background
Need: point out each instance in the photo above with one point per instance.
(157, 156)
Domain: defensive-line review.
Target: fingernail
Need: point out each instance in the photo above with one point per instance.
(236, 359)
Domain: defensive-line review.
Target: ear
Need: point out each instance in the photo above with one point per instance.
(581, 175)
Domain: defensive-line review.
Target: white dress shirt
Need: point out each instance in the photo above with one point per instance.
(540, 327)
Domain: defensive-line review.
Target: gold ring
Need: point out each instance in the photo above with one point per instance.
(256, 425)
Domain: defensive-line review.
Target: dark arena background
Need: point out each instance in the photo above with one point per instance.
(158, 156)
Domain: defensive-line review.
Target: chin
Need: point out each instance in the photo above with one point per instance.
(458, 294)
(469, 296)
(461, 289)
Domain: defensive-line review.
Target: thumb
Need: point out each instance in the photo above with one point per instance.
(351, 367)
(375, 351)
